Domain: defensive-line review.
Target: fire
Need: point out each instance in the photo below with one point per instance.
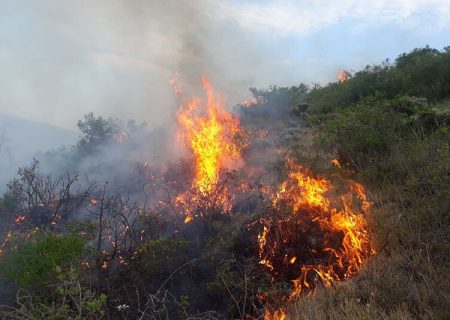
(210, 137)
(336, 163)
(277, 315)
(215, 139)
(188, 219)
(121, 137)
(343, 76)
(309, 238)
(312, 190)
(20, 219)
(175, 84)
(253, 101)
(5, 241)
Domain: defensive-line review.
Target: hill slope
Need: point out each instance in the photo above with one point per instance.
(21, 139)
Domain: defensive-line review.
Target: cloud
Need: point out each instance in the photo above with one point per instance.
(303, 17)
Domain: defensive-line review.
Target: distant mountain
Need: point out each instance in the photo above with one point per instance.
(21, 139)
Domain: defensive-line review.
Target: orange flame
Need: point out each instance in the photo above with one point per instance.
(343, 76)
(311, 190)
(306, 197)
(213, 137)
(253, 101)
(188, 219)
(277, 315)
(5, 241)
(19, 219)
(336, 163)
(210, 137)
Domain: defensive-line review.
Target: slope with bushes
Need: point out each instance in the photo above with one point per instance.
(390, 125)
(81, 248)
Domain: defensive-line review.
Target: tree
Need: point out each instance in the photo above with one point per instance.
(96, 131)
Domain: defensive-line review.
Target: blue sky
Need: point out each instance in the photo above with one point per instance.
(63, 59)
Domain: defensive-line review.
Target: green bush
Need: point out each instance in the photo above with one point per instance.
(68, 300)
(376, 128)
(361, 134)
(422, 72)
(160, 257)
(35, 261)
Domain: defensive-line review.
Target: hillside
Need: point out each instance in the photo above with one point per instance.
(21, 139)
(389, 124)
(330, 202)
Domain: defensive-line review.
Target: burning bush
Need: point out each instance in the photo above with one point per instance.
(309, 240)
(216, 141)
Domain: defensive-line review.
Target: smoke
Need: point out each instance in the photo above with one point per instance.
(115, 58)
(63, 59)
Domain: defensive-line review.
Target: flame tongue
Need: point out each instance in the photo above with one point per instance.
(302, 190)
(212, 137)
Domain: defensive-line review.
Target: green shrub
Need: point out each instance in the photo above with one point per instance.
(160, 257)
(361, 134)
(35, 261)
(422, 72)
(68, 300)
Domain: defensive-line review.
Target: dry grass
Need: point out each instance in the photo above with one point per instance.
(345, 309)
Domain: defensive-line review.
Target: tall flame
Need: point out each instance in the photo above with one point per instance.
(214, 137)
(210, 137)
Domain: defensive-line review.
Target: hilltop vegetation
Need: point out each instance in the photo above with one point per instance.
(91, 249)
(421, 73)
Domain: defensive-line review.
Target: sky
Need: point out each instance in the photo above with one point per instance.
(60, 60)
